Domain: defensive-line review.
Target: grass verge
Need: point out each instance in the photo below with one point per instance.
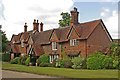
(63, 72)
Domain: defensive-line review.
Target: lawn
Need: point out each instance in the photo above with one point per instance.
(63, 72)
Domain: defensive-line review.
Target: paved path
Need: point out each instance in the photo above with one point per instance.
(14, 74)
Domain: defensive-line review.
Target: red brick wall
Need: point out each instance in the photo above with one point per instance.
(98, 40)
(12, 56)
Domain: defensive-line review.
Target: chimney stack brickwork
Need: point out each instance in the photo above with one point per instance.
(74, 16)
(41, 26)
(36, 25)
(25, 27)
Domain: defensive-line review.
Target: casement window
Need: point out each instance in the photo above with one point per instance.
(74, 42)
(52, 57)
(22, 44)
(54, 45)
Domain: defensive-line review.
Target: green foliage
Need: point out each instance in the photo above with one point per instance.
(27, 61)
(78, 62)
(45, 64)
(59, 63)
(98, 60)
(5, 57)
(65, 21)
(22, 59)
(4, 40)
(115, 54)
(54, 63)
(15, 60)
(43, 59)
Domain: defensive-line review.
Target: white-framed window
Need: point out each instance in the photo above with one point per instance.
(22, 44)
(52, 57)
(22, 54)
(13, 42)
(73, 42)
(54, 45)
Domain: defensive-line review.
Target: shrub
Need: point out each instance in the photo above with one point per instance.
(15, 60)
(5, 57)
(27, 61)
(45, 64)
(98, 60)
(78, 62)
(54, 63)
(67, 63)
(43, 59)
(59, 63)
(22, 59)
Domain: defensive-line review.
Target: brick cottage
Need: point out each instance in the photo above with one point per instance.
(76, 39)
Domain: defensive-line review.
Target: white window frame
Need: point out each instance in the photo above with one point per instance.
(22, 54)
(52, 57)
(22, 44)
(54, 45)
(74, 42)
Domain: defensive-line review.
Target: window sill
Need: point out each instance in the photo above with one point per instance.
(54, 49)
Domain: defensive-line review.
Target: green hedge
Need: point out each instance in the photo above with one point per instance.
(45, 64)
(98, 60)
(43, 59)
(5, 57)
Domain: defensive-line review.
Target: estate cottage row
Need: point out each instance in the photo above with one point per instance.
(76, 39)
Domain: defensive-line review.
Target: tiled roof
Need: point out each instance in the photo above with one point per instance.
(83, 30)
(38, 49)
(15, 49)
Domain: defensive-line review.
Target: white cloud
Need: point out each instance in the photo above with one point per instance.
(112, 24)
(105, 12)
(17, 12)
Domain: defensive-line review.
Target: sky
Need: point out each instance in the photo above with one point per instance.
(14, 13)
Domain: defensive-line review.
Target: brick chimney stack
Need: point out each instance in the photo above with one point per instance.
(74, 16)
(41, 26)
(25, 27)
(36, 25)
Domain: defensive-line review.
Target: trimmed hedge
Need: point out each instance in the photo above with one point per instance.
(98, 60)
(45, 64)
(43, 59)
(15, 60)
(5, 57)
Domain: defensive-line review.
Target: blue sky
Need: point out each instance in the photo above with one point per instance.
(14, 13)
(91, 10)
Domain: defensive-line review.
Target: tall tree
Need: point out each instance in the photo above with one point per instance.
(3, 40)
(65, 21)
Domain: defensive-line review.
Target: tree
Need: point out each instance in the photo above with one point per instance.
(3, 40)
(65, 21)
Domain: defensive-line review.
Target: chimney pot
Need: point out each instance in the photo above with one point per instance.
(25, 27)
(41, 26)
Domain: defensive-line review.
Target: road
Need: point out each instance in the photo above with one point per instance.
(14, 74)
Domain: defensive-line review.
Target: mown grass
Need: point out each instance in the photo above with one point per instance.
(63, 72)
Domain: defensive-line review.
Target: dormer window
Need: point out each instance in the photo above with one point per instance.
(74, 42)
(22, 44)
(54, 45)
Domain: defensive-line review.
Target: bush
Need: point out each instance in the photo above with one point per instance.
(66, 61)
(5, 57)
(27, 61)
(78, 62)
(54, 63)
(43, 59)
(59, 63)
(15, 60)
(45, 64)
(22, 59)
(98, 60)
